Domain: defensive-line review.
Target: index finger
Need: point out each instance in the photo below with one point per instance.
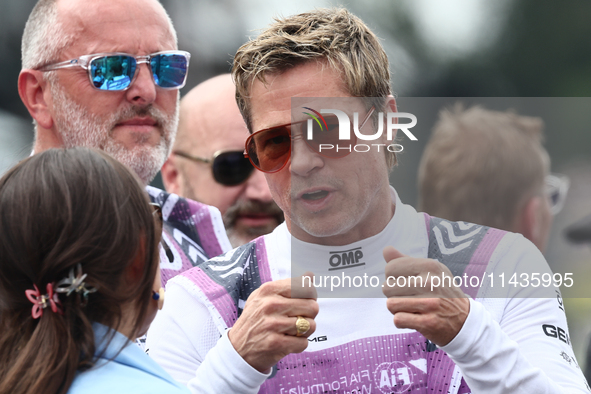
(412, 266)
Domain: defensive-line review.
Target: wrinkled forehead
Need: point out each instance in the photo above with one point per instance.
(133, 26)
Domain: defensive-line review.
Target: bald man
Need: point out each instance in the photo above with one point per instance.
(207, 162)
(81, 95)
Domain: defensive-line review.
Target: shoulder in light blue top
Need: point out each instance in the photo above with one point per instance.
(130, 371)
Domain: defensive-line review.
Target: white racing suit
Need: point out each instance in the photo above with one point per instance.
(517, 343)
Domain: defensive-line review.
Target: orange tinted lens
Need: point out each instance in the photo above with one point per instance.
(269, 150)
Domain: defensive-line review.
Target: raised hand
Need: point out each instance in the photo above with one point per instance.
(266, 331)
(437, 312)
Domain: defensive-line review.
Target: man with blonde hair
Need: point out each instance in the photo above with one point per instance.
(490, 168)
(342, 218)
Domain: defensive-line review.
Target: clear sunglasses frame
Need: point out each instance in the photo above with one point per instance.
(84, 61)
(556, 188)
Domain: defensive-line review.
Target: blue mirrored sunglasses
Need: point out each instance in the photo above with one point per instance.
(117, 71)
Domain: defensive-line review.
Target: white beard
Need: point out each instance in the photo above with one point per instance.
(78, 127)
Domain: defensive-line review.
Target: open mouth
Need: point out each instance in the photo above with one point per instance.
(316, 195)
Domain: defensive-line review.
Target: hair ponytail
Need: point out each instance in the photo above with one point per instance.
(60, 209)
(43, 357)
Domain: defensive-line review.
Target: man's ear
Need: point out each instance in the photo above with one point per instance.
(392, 104)
(391, 107)
(171, 176)
(32, 89)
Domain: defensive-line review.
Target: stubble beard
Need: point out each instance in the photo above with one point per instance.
(78, 127)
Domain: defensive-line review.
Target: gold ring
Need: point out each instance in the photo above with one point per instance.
(302, 326)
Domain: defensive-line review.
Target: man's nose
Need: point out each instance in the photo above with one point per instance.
(143, 89)
(303, 159)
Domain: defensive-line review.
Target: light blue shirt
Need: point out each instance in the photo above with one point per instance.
(130, 371)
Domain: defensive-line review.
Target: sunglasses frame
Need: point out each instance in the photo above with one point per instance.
(211, 163)
(289, 126)
(84, 61)
(560, 183)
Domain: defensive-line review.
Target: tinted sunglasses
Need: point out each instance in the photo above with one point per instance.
(269, 150)
(117, 71)
(229, 168)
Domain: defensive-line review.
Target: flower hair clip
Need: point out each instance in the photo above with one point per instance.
(40, 301)
(75, 283)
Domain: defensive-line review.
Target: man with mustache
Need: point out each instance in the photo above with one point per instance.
(106, 75)
(207, 163)
(242, 311)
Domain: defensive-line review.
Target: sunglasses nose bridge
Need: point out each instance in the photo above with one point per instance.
(142, 60)
(306, 143)
(139, 60)
(302, 148)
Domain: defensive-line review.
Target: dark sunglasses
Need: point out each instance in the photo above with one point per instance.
(117, 71)
(269, 150)
(230, 168)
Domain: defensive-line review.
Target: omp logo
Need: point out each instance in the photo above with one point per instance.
(345, 259)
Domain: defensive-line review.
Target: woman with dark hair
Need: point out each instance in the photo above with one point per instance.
(79, 277)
